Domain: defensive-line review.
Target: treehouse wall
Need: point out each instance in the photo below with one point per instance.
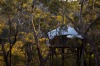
(63, 41)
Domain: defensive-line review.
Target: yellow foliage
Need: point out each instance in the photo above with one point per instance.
(59, 18)
(16, 50)
(24, 5)
(92, 56)
(1, 27)
(42, 40)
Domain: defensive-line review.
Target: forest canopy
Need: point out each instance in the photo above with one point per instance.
(24, 27)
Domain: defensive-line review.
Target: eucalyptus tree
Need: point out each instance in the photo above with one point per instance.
(87, 16)
(84, 17)
(9, 10)
(36, 16)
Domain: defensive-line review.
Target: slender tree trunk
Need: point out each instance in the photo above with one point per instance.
(37, 43)
(82, 57)
(28, 50)
(82, 52)
(90, 58)
(96, 57)
(94, 51)
(5, 56)
(78, 57)
(6, 60)
(63, 57)
(10, 54)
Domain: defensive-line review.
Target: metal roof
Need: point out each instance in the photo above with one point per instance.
(69, 31)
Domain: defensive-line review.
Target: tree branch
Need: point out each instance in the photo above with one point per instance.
(91, 24)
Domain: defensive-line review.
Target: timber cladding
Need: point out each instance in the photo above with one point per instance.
(63, 41)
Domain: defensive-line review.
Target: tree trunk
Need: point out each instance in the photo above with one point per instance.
(82, 52)
(6, 60)
(37, 43)
(78, 57)
(90, 54)
(10, 55)
(82, 57)
(28, 50)
(94, 51)
(5, 56)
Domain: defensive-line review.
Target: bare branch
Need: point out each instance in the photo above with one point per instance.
(91, 24)
(80, 15)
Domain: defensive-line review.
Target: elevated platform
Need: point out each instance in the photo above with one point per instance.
(63, 41)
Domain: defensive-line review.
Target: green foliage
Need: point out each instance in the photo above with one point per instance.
(20, 12)
(54, 6)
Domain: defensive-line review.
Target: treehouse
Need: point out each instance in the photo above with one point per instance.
(64, 36)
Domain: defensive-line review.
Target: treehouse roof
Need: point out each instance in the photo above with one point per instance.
(69, 31)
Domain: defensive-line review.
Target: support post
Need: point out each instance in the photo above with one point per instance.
(63, 57)
(78, 57)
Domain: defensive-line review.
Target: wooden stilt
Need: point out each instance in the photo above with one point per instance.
(50, 63)
(63, 57)
(78, 57)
